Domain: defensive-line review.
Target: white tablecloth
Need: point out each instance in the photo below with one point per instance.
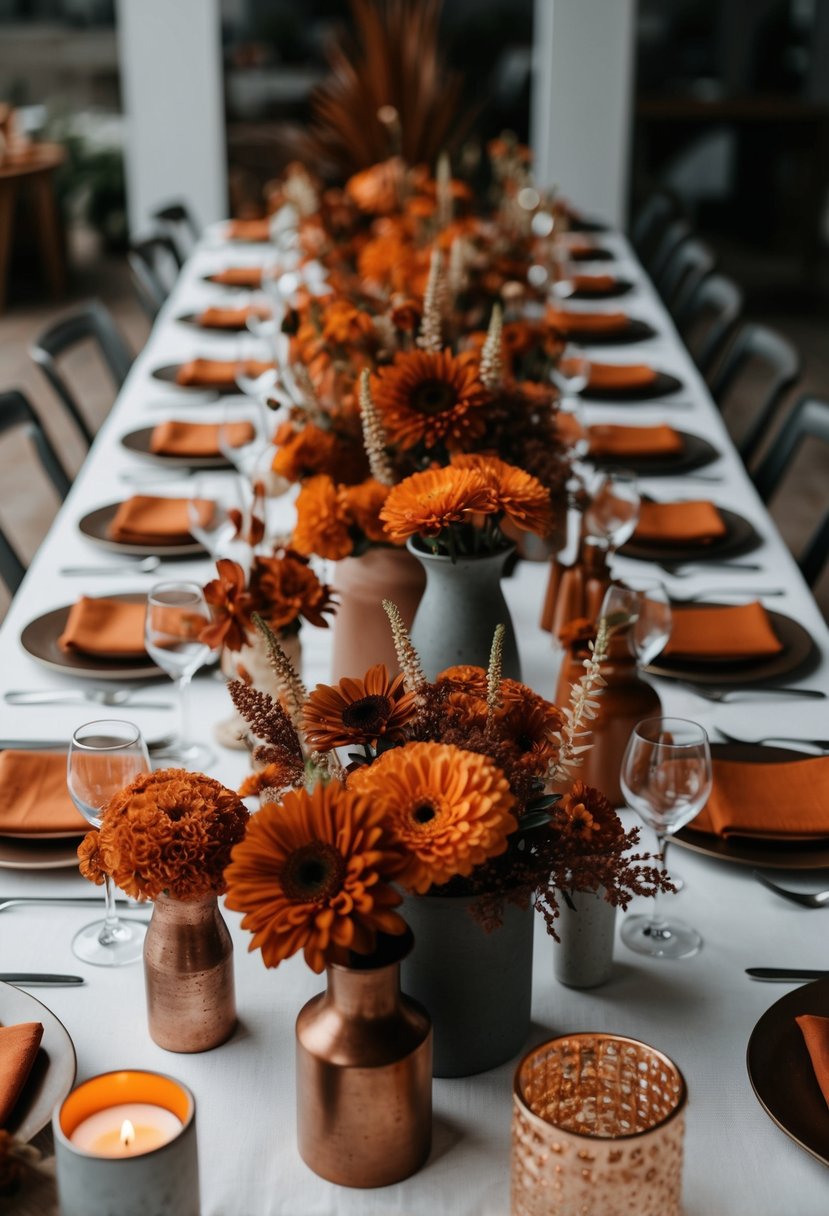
(700, 1010)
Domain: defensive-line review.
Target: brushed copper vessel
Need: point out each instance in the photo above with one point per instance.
(364, 1074)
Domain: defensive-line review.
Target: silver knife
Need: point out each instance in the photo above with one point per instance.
(40, 979)
(786, 975)
(61, 745)
(75, 697)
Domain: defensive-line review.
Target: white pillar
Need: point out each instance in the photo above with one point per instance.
(583, 63)
(172, 87)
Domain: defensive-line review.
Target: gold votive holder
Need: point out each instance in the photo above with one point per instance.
(597, 1127)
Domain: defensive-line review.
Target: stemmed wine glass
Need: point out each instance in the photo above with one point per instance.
(666, 778)
(570, 376)
(613, 513)
(650, 616)
(177, 612)
(217, 529)
(243, 456)
(104, 756)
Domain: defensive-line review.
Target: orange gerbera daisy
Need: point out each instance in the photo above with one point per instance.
(309, 876)
(447, 810)
(357, 711)
(321, 524)
(363, 504)
(531, 727)
(520, 496)
(427, 503)
(430, 398)
(583, 812)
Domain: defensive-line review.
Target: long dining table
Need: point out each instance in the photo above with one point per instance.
(700, 1010)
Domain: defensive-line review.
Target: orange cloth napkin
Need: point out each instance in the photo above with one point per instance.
(626, 441)
(620, 376)
(238, 276)
(593, 282)
(18, 1049)
(568, 322)
(105, 627)
(217, 373)
(728, 631)
(680, 523)
(145, 520)
(33, 794)
(249, 230)
(787, 801)
(197, 438)
(227, 318)
(815, 1031)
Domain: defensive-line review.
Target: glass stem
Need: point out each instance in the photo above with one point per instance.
(184, 710)
(658, 926)
(108, 935)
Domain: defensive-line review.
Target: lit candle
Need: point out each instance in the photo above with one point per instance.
(126, 1130)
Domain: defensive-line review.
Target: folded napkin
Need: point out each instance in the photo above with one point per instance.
(645, 441)
(18, 1049)
(815, 1031)
(227, 318)
(787, 801)
(727, 631)
(249, 230)
(624, 376)
(33, 794)
(145, 520)
(679, 523)
(218, 373)
(197, 438)
(567, 322)
(105, 627)
(238, 276)
(582, 249)
(593, 282)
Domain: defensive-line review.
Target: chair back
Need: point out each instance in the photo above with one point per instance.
(650, 222)
(154, 263)
(708, 317)
(692, 260)
(177, 221)
(757, 346)
(676, 232)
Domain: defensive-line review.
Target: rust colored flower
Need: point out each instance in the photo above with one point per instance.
(425, 504)
(301, 454)
(89, 859)
(531, 726)
(230, 605)
(273, 776)
(522, 498)
(284, 589)
(357, 712)
(321, 525)
(363, 504)
(309, 876)
(583, 813)
(345, 325)
(376, 189)
(405, 314)
(447, 810)
(430, 398)
(576, 633)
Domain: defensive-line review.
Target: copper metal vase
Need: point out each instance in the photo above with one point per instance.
(364, 1074)
(188, 975)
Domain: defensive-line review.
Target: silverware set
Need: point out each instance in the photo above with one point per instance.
(711, 692)
(755, 593)
(822, 744)
(143, 566)
(80, 696)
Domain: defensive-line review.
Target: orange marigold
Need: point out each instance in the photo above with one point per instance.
(303, 453)
(430, 398)
(363, 504)
(357, 712)
(447, 810)
(427, 503)
(521, 497)
(309, 876)
(321, 524)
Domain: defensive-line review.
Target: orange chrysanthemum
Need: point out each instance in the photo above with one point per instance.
(430, 398)
(363, 504)
(344, 325)
(447, 810)
(531, 727)
(584, 812)
(357, 711)
(303, 453)
(521, 497)
(309, 876)
(425, 504)
(321, 524)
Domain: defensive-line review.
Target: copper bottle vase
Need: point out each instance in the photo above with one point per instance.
(364, 1074)
(188, 975)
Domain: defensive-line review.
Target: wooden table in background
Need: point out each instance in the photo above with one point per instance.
(35, 177)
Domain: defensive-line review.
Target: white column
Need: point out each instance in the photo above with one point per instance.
(583, 64)
(172, 87)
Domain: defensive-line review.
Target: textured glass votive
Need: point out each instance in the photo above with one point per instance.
(597, 1128)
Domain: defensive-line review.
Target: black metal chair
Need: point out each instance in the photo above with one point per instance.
(676, 233)
(650, 222)
(757, 346)
(708, 317)
(155, 263)
(15, 411)
(177, 221)
(808, 419)
(92, 322)
(692, 260)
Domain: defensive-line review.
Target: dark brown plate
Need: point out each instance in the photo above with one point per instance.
(634, 331)
(40, 640)
(799, 651)
(620, 288)
(167, 375)
(139, 443)
(758, 854)
(781, 1072)
(597, 254)
(664, 384)
(95, 527)
(214, 282)
(696, 452)
(53, 1072)
(192, 319)
(740, 537)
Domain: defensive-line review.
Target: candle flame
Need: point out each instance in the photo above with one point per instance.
(127, 1133)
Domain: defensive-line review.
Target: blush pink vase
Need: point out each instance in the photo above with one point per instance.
(361, 630)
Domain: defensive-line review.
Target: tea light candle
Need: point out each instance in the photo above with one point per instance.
(125, 1142)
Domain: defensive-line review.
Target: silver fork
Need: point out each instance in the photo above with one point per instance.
(823, 744)
(146, 566)
(805, 899)
(680, 569)
(14, 901)
(711, 693)
(77, 696)
(756, 593)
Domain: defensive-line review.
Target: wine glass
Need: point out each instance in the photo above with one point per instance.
(613, 513)
(103, 757)
(245, 455)
(649, 613)
(216, 529)
(177, 612)
(570, 376)
(666, 779)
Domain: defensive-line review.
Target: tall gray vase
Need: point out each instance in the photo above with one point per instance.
(476, 986)
(460, 608)
(583, 957)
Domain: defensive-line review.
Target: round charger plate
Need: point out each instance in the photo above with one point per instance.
(593, 254)
(95, 527)
(138, 442)
(619, 288)
(662, 386)
(634, 331)
(214, 282)
(781, 1072)
(757, 854)
(40, 641)
(696, 452)
(192, 319)
(739, 538)
(53, 1072)
(167, 375)
(55, 854)
(798, 651)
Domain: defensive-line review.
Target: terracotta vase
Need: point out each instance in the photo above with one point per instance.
(364, 1074)
(361, 635)
(461, 607)
(577, 590)
(476, 985)
(252, 661)
(188, 975)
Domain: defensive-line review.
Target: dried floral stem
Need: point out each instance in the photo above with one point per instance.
(492, 359)
(583, 708)
(494, 670)
(374, 434)
(430, 337)
(407, 656)
(443, 190)
(456, 273)
(289, 681)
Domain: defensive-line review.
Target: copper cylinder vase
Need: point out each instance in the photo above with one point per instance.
(360, 632)
(364, 1074)
(188, 975)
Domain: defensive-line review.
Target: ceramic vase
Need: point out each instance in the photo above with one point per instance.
(476, 985)
(364, 1074)
(576, 591)
(461, 607)
(253, 665)
(583, 957)
(361, 634)
(188, 975)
